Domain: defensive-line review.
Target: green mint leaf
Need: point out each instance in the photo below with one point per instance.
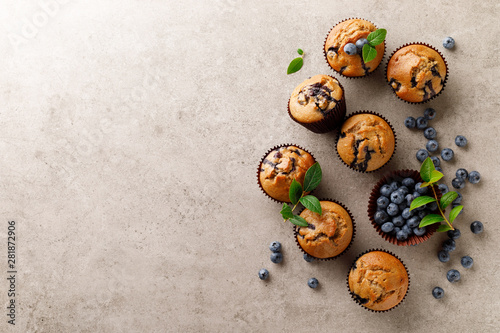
(295, 192)
(299, 51)
(447, 199)
(430, 219)
(454, 213)
(369, 53)
(311, 203)
(426, 170)
(420, 201)
(299, 221)
(376, 37)
(443, 228)
(286, 211)
(435, 176)
(295, 65)
(313, 177)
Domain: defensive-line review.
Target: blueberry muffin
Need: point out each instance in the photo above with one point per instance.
(416, 73)
(328, 234)
(345, 32)
(366, 142)
(378, 281)
(280, 167)
(318, 104)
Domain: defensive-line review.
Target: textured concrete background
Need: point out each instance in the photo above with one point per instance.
(131, 134)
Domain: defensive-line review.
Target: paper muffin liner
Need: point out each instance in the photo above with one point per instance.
(262, 160)
(354, 297)
(429, 46)
(372, 208)
(375, 114)
(326, 57)
(296, 232)
(331, 121)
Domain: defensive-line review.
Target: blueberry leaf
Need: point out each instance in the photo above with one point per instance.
(295, 192)
(299, 51)
(426, 169)
(376, 37)
(435, 176)
(299, 221)
(369, 53)
(420, 201)
(430, 219)
(454, 213)
(447, 199)
(424, 184)
(311, 203)
(313, 177)
(286, 211)
(443, 228)
(295, 65)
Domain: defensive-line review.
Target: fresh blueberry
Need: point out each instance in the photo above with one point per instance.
(350, 49)
(476, 227)
(421, 214)
(432, 145)
(409, 198)
(408, 182)
(419, 231)
(460, 141)
(382, 202)
(308, 258)
(438, 292)
(416, 195)
(413, 222)
(313, 283)
(458, 183)
(396, 230)
(447, 154)
(421, 190)
(275, 246)
(474, 177)
(421, 123)
(453, 275)
(392, 209)
(436, 161)
(458, 199)
(467, 261)
(448, 43)
(276, 257)
(430, 133)
(410, 122)
(402, 206)
(454, 234)
(397, 197)
(443, 188)
(394, 186)
(449, 245)
(407, 213)
(263, 274)
(398, 221)
(422, 154)
(401, 235)
(462, 174)
(432, 206)
(429, 113)
(380, 217)
(443, 256)
(360, 42)
(387, 227)
(386, 191)
(404, 189)
(407, 230)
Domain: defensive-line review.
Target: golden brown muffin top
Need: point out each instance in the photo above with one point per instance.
(416, 73)
(378, 280)
(349, 32)
(314, 98)
(328, 234)
(366, 142)
(280, 167)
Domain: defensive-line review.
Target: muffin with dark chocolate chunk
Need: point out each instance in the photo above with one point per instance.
(416, 73)
(318, 104)
(366, 142)
(345, 32)
(279, 167)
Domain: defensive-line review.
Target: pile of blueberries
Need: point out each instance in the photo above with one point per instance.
(393, 209)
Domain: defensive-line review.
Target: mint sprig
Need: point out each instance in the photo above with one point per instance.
(375, 38)
(297, 194)
(430, 176)
(296, 64)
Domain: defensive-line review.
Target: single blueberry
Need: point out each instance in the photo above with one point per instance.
(398, 221)
(447, 154)
(275, 246)
(449, 245)
(422, 154)
(474, 177)
(419, 231)
(438, 292)
(387, 227)
(421, 123)
(462, 174)
(386, 191)
(263, 274)
(443, 188)
(458, 200)
(308, 258)
(394, 186)
(429, 113)
(421, 214)
(392, 209)
(436, 161)
(313, 283)
(407, 230)
(360, 42)
(453, 275)
(467, 261)
(380, 217)
(401, 235)
(458, 183)
(276, 257)
(407, 213)
(460, 141)
(397, 197)
(421, 190)
(409, 198)
(403, 189)
(410, 122)
(430, 133)
(350, 49)
(413, 222)
(453, 234)
(408, 182)
(416, 194)
(443, 256)
(432, 206)
(448, 43)
(382, 202)
(476, 227)
(432, 145)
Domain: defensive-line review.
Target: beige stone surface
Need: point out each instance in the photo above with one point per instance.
(131, 134)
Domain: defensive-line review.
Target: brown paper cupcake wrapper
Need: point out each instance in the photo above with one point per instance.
(262, 160)
(326, 57)
(445, 78)
(296, 232)
(372, 207)
(354, 297)
(331, 121)
(376, 114)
